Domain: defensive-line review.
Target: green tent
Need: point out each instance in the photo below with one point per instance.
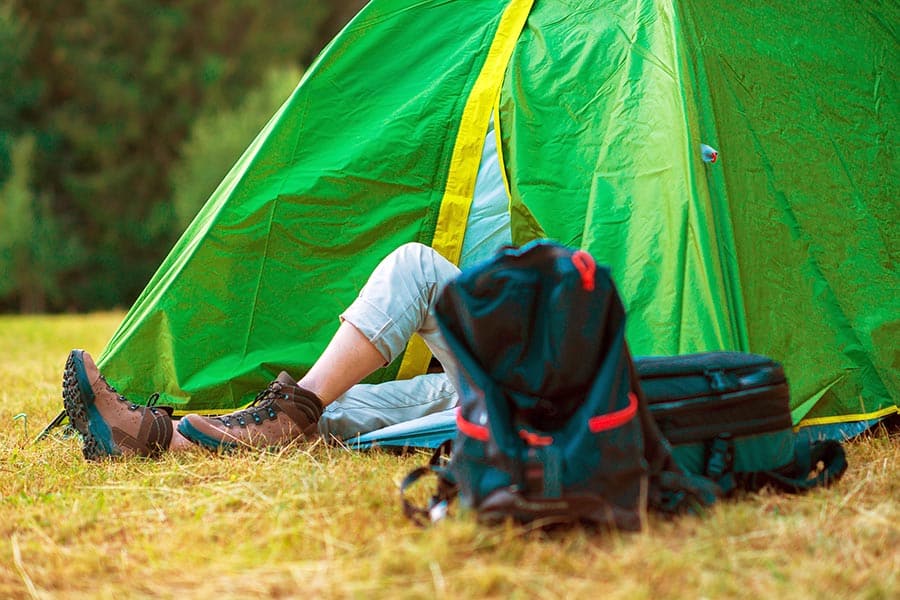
(785, 246)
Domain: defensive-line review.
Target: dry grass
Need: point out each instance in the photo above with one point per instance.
(325, 522)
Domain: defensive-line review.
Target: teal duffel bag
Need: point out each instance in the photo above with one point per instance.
(727, 416)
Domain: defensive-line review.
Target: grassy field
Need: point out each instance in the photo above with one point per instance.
(326, 522)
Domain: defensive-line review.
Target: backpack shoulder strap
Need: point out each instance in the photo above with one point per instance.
(445, 493)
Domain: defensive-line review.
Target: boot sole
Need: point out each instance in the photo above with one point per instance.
(78, 400)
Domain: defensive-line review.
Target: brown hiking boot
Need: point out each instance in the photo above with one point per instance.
(109, 424)
(281, 413)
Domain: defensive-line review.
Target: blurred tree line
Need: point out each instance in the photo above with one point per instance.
(118, 118)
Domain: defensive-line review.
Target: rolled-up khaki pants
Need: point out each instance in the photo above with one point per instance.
(396, 302)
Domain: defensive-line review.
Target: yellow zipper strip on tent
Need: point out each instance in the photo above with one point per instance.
(454, 211)
(805, 408)
(848, 418)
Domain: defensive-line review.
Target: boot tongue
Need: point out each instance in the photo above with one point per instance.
(285, 379)
(295, 392)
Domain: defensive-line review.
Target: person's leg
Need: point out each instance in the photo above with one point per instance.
(348, 358)
(397, 301)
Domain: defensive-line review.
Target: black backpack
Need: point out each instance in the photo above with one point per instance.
(552, 424)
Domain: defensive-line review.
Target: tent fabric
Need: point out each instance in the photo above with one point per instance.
(805, 113)
(354, 164)
(786, 246)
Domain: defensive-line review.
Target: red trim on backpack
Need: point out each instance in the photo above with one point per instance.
(478, 432)
(586, 266)
(614, 419)
(533, 439)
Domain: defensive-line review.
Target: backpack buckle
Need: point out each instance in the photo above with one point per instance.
(542, 472)
(720, 456)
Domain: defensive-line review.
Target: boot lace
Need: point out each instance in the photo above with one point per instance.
(151, 401)
(263, 406)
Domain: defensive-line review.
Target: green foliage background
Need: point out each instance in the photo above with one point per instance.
(118, 118)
